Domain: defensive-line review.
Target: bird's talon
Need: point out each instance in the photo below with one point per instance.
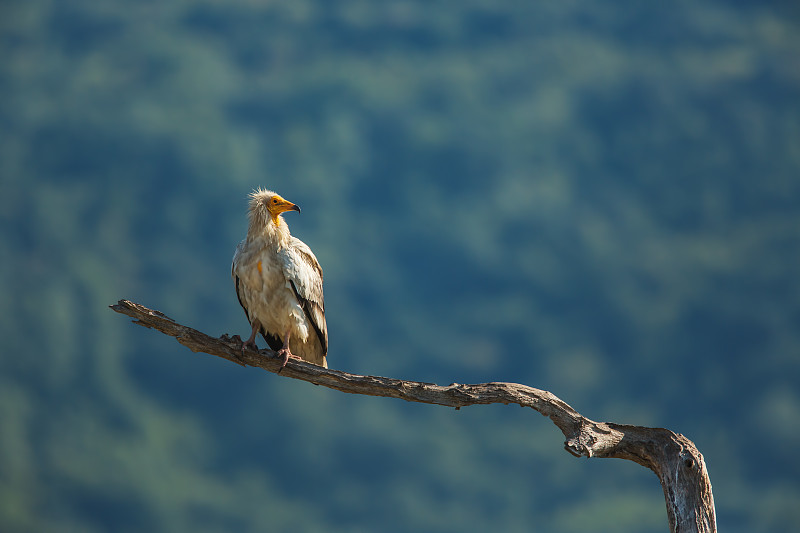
(286, 354)
(249, 344)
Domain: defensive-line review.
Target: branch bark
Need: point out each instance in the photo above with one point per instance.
(674, 458)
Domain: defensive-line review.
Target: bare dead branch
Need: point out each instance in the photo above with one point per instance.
(674, 458)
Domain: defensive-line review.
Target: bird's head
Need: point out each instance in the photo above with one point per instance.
(267, 206)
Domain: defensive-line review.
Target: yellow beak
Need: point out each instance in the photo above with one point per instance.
(279, 205)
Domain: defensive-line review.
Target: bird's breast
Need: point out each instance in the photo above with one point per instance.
(268, 295)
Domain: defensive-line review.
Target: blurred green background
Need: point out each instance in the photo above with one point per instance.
(601, 200)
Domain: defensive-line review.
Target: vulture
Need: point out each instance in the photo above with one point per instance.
(278, 282)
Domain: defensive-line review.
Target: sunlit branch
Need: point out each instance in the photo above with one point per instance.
(674, 458)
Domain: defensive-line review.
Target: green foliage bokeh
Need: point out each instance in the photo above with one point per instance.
(598, 200)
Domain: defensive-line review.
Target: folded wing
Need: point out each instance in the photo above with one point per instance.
(303, 272)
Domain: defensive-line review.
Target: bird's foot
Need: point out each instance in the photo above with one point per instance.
(250, 343)
(286, 354)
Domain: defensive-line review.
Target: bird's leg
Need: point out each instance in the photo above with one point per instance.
(251, 342)
(285, 351)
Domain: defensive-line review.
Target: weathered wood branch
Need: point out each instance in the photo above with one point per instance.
(674, 458)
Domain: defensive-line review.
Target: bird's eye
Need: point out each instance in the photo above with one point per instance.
(274, 200)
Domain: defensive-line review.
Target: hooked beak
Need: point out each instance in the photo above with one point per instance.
(284, 205)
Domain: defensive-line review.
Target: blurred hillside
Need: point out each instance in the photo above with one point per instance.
(598, 200)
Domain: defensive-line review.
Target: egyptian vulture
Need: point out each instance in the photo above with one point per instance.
(279, 284)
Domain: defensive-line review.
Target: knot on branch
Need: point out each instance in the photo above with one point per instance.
(593, 439)
(582, 441)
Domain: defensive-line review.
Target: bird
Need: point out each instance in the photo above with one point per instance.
(278, 282)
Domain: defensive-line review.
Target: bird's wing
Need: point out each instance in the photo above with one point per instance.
(239, 288)
(303, 272)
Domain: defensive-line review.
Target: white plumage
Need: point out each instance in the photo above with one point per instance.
(279, 283)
